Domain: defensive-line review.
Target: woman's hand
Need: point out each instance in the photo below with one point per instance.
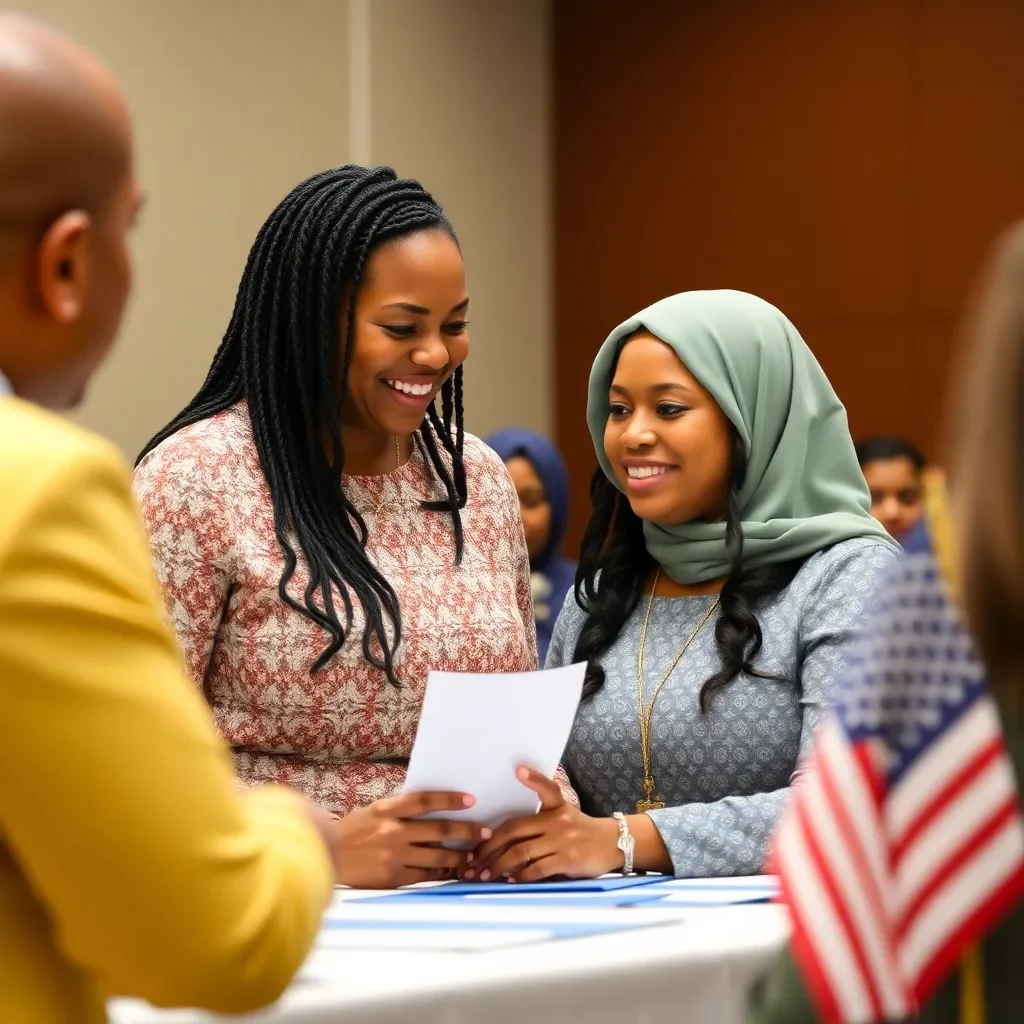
(380, 847)
(559, 840)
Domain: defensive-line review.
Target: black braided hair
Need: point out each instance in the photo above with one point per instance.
(280, 354)
(614, 548)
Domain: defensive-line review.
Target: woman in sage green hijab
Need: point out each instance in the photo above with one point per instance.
(729, 558)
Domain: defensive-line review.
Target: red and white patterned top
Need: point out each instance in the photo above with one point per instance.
(343, 735)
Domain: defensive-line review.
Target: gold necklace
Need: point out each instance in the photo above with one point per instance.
(651, 801)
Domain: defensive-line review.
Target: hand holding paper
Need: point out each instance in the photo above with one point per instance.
(476, 730)
(560, 841)
(381, 847)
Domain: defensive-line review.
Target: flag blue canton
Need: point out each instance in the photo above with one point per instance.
(916, 671)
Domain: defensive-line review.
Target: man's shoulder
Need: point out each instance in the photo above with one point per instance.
(35, 443)
(39, 450)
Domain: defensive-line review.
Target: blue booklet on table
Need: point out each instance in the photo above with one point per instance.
(631, 897)
(594, 885)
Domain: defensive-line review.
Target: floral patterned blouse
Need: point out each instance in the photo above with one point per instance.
(343, 736)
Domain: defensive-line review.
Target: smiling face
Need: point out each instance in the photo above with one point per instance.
(410, 332)
(668, 442)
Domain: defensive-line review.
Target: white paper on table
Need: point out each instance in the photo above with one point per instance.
(712, 898)
(714, 891)
(721, 882)
(475, 730)
(615, 896)
(443, 939)
(473, 914)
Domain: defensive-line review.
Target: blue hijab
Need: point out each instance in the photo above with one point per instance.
(552, 575)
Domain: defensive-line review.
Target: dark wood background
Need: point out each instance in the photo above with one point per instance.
(848, 161)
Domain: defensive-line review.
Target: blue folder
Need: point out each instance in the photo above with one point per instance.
(578, 885)
(623, 898)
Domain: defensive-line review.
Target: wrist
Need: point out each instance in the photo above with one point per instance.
(625, 845)
(650, 853)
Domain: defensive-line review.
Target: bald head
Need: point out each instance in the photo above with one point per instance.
(67, 200)
(65, 133)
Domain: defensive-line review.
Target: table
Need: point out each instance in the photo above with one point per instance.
(696, 969)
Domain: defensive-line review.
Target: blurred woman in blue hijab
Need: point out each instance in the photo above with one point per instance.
(542, 484)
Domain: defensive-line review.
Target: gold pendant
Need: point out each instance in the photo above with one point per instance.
(643, 806)
(651, 801)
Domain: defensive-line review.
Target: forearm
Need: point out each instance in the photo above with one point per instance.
(727, 837)
(650, 852)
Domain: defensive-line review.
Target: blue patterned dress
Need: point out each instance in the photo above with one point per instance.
(724, 775)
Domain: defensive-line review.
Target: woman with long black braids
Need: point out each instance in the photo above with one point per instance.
(729, 558)
(325, 530)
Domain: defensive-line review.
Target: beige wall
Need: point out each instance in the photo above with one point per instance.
(237, 100)
(460, 98)
(234, 101)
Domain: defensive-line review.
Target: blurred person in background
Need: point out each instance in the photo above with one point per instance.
(325, 530)
(130, 864)
(727, 563)
(950, 747)
(894, 470)
(542, 483)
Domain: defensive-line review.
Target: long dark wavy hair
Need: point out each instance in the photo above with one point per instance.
(280, 354)
(614, 548)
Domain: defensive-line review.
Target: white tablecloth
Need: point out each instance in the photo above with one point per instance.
(695, 970)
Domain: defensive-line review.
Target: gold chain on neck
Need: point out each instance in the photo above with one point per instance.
(650, 801)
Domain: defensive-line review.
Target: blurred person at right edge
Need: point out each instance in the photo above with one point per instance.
(901, 857)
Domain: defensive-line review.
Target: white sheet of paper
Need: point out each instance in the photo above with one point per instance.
(712, 898)
(476, 729)
(713, 891)
(561, 897)
(724, 882)
(471, 913)
(457, 939)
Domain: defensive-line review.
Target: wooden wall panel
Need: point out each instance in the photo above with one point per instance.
(847, 161)
(968, 142)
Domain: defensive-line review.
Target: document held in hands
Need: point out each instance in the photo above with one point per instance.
(475, 730)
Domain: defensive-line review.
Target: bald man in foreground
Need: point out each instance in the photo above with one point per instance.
(130, 864)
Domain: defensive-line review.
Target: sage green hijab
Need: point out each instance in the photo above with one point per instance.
(803, 490)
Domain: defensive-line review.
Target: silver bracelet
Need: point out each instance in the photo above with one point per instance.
(626, 843)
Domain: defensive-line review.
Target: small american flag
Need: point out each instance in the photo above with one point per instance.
(904, 841)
